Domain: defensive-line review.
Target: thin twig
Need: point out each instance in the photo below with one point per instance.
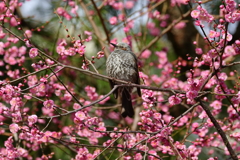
(108, 146)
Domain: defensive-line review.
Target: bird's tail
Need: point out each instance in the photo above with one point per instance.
(127, 104)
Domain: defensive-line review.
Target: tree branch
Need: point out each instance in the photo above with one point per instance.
(219, 130)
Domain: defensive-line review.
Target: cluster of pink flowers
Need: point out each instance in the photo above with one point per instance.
(129, 4)
(93, 95)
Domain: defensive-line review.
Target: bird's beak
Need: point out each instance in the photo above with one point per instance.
(113, 44)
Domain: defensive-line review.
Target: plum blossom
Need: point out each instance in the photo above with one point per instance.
(113, 20)
(80, 115)
(145, 54)
(33, 52)
(14, 128)
(173, 100)
(32, 119)
(49, 104)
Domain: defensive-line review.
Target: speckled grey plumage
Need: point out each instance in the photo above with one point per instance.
(122, 64)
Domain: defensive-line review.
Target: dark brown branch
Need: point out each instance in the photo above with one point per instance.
(219, 130)
(101, 20)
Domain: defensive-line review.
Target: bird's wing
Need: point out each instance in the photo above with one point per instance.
(138, 82)
(136, 69)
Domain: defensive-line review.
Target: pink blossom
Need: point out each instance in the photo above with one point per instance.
(118, 5)
(195, 125)
(2, 34)
(32, 119)
(230, 5)
(84, 66)
(76, 106)
(180, 25)
(156, 14)
(152, 152)
(156, 79)
(162, 58)
(13, 22)
(88, 33)
(191, 94)
(71, 3)
(198, 23)
(33, 52)
(22, 152)
(22, 51)
(70, 51)
(204, 15)
(114, 115)
(173, 100)
(16, 103)
(150, 25)
(157, 116)
(129, 4)
(147, 96)
(216, 104)
(60, 50)
(104, 100)
(13, 74)
(60, 11)
(49, 61)
(9, 143)
(130, 24)
(229, 50)
(41, 89)
(203, 115)
(195, 13)
(13, 128)
(80, 50)
(229, 36)
(146, 53)
(74, 9)
(155, 31)
(80, 115)
(100, 54)
(113, 20)
(236, 99)
(138, 156)
(49, 104)
(198, 51)
(46, 137)
(212, 34)
(91, 93)
(16, 117)
(126, 29)
(121, 17)
(28, 33)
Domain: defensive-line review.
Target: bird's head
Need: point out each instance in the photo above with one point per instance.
(122, 46)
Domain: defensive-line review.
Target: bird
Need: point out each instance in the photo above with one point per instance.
(122, 64)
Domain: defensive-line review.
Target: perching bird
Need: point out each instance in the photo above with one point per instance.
(122, 64)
